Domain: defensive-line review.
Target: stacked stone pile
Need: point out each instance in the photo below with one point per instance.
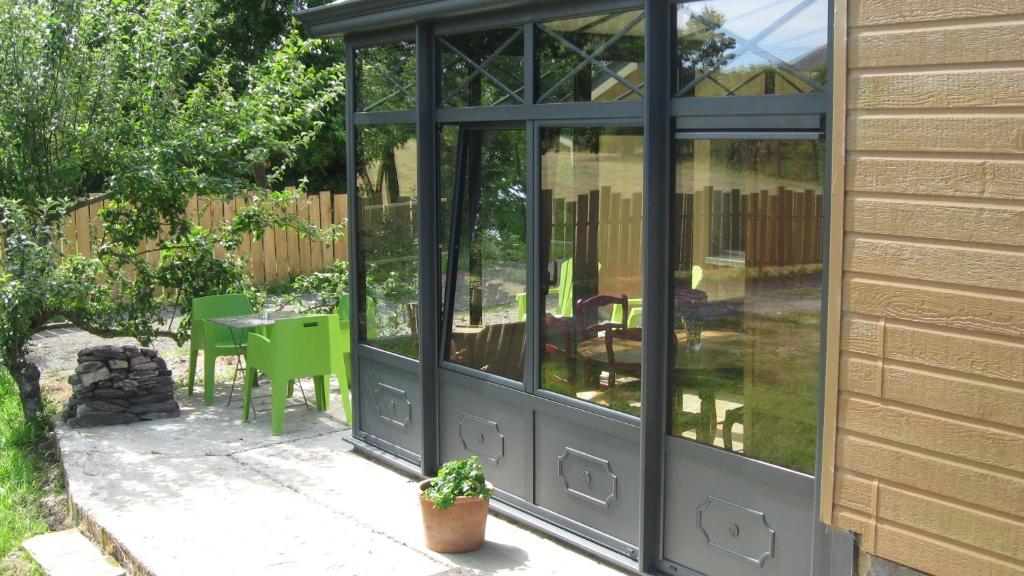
(119, 385)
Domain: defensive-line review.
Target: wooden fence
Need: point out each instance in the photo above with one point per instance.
(278, 256)
(766, 228)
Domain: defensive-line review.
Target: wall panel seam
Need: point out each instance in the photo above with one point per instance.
(948, 542)
(961, 289)
(942, 456)
(936, 242)
(960, 22)
(924, 410)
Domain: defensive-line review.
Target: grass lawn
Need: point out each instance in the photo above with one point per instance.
(29, 477)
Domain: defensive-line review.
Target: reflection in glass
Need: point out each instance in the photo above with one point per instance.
(386, 77)
(747, 253)
(488, 258)
(747, 48)
(386, 238)
(482, 68)
(591, 59)
(591, 223)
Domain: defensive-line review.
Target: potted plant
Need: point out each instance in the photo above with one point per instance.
(455, 505)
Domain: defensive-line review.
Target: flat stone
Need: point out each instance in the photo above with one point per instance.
(101, 419)
(89, 358)
(127, 384)
(108, 393)
(117, 364)
(152, 353)
(153, 398)
(153, 407)
(131, 350)
(88, 367)
(94, 377)
(146, 366)
(69, 553)
(139, 359)
(93, 405)
(139, 374)
(104, 351)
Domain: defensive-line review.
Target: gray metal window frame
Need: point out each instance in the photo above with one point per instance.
(662, 116)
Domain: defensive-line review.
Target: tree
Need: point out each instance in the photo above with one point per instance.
(144, 104)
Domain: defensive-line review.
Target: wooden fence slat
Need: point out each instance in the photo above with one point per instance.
(291, 247)
(316, 255)
(326, 248)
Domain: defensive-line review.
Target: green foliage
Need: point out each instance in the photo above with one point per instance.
(144, 105)
(321, 291)
(22, 476)
(457, 478)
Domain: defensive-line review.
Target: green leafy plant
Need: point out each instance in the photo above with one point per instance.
(457, 478)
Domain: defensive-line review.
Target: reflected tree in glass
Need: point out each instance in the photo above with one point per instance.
(387, 237)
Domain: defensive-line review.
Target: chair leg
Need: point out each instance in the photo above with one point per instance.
(277, 390)
(193, 356)
(209, 373)
(322, 384)
(250, 379)
(346, 402)
(291, 388)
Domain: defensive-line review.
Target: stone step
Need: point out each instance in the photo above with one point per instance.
(69, 553)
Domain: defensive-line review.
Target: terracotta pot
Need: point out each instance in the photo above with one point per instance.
(457, 529)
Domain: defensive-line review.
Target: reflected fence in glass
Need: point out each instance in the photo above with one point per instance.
(747, 258)
(387, 238)
(591, 254)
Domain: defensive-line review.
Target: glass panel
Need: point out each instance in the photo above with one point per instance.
(386, 77)
(746, 48)
(591, 59)
(591, 223)
(482, 68)
(488, 326)
(387, 240)
(747, 252)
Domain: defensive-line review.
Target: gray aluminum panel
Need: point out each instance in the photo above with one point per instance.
(390, 404)
(498, 431)
(588, 475)
(729, 516)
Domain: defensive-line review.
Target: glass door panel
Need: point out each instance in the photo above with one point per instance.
(591, 257)
(387, 236)
(747, 255)
(486, 262)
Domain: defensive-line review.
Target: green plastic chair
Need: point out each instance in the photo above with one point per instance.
(213, 339)
(564, 308)
(346, 340)
(297, 348)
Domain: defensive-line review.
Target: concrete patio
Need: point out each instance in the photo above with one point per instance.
(208, 494)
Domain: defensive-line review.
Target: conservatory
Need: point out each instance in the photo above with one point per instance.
(589, 245)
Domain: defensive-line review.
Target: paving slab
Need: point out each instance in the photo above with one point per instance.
(209, 494)
(69, 553)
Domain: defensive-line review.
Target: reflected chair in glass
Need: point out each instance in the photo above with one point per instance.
(213, 339)
(346, 343)
(307, 346)
(589, 325)
(564, 308)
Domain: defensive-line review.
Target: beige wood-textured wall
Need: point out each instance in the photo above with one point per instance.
(929, 445)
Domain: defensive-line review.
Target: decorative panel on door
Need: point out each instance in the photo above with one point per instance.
(390, 407)
(730, 516)
(483, 419)
(589, 474)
